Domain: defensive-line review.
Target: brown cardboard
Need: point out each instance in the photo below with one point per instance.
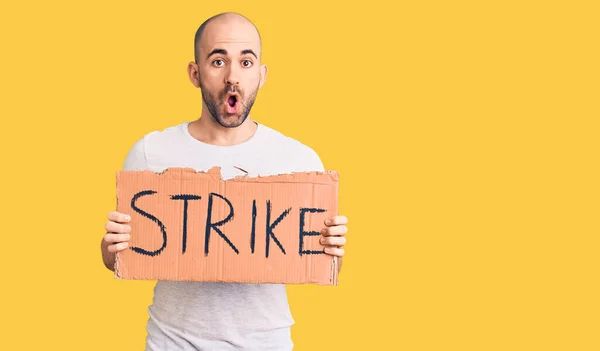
(165, 198)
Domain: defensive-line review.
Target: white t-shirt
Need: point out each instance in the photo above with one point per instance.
(220, 316)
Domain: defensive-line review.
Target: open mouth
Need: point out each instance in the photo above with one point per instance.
(232, 104)
(232, 100)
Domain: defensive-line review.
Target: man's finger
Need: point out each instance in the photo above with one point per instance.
(113, 227)
(118, 247)
(333, 241)
(334, 251)
(336, 220)
(112, 238)
(118, 217)
(337, 230)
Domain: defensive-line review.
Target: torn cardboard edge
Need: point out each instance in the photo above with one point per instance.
(216, 174)
(168, 264)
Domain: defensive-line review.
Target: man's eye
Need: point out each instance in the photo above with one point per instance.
(218, 62)
(247, 63)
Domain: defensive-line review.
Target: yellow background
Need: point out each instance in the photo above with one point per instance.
(466, 135)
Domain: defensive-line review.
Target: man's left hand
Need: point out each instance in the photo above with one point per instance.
(332, 236)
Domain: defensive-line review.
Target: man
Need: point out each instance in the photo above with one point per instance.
(207, 315)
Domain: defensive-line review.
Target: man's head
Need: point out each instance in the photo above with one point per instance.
(227, 69)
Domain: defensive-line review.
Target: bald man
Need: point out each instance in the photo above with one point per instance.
(208, 315)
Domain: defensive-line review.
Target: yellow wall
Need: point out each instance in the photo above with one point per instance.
(465, 133)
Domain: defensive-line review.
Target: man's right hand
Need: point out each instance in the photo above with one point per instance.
(116, 238)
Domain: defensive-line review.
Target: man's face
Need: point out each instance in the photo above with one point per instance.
(229, 71)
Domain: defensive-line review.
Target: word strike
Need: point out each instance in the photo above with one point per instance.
(213, 225)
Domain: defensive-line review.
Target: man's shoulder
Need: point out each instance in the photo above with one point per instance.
(292, 149)
(166, 134)
(278, 138)
(162, 141)
(148, 145)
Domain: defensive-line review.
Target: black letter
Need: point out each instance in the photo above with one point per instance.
(214, 225)
(154, 219)
(304, 233)
(185, 199)
(270, 227)
(253, 233)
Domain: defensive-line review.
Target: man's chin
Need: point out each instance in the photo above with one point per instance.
(230, 121)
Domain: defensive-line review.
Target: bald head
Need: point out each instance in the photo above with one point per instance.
(225, 26)
(227, 67)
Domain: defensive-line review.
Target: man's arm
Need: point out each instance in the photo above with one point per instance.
(116, 238)
(117, 235)
(333, 237)
(335, 227)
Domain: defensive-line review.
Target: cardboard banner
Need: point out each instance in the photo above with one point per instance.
(195, 226)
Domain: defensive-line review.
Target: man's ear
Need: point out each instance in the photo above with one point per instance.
(194, 74)
(263, 75)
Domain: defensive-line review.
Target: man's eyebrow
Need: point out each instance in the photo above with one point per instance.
(217, 51)
(248, 51)
(224, 52)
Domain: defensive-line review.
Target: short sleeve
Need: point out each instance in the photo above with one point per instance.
(136, 157)
(314, 161)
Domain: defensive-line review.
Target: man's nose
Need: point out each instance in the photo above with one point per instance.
(232, 77)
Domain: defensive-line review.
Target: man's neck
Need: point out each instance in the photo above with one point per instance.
(208, 131)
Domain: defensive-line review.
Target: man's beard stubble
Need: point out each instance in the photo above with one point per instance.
(213, 105)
